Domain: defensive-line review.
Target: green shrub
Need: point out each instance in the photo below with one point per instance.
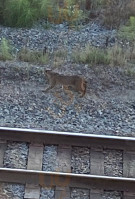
(23, 13)
(128, 31)
(5, 50)
(2, 3)
(19, 13)
(47, 8)
(69, 12)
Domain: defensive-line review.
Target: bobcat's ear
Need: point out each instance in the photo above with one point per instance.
(47, 71)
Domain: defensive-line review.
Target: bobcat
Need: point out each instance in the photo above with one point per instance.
(75, 82)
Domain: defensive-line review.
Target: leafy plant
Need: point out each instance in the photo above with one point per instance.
(71, 12)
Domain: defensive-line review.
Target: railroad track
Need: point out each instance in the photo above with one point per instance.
(63, 179)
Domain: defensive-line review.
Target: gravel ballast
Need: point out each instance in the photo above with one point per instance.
(50, 158)
(113, 162)
(80, 160)
(112, 195)
(47, 193)
(16, 155)
(12, 191)
(77, 193)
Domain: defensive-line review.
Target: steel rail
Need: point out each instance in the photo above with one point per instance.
(67, 133)
(77, 139)
(50, 179)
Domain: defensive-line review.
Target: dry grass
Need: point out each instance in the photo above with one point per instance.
(127, 32)
(60, 53)
(91, 55)
(59, 57)
(130, 70)
(117, 56)
(113, 56)
(27, 55)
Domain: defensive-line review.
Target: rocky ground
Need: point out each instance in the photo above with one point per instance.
(57, 36)
(107, 108)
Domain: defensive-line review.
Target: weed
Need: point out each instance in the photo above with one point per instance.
(5, 50)
(46, 25)
(43, 59)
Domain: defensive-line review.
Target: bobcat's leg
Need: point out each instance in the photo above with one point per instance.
(70, 94)
(59, 98)
(83, 87)
(51, 86)
(82, 94)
